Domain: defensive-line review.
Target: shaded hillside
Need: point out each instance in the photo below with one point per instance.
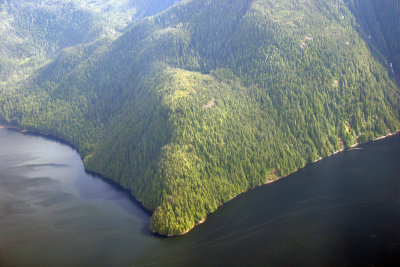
(34, 31)
(196, 105)
(380, 25)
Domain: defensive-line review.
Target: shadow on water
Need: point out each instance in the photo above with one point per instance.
(343, 210)
(117, 187)
(124, 195)
(121, 190)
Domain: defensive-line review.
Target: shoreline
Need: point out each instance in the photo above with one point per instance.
(149, 212)
(334, 153)
(87, 171)
(184, 233)
(282, 177)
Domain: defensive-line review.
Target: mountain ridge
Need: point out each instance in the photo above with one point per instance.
(196, 105)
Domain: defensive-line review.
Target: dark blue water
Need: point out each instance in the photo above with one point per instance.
(343, 210)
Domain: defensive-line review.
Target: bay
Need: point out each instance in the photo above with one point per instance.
(342, 210)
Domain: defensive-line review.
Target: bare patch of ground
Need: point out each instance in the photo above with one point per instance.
(209, 104)
(335, 83)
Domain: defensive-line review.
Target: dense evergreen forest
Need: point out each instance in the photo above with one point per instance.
(379, 23)
(33, 32)
(194, 105)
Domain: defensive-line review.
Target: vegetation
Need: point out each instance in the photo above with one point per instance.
(379, 24)
(33, 32)
(207, 99)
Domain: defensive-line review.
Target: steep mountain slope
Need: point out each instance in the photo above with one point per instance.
(380, 26)
(193, 106)
(34, 31)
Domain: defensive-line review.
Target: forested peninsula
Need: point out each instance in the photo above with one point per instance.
(190, 105)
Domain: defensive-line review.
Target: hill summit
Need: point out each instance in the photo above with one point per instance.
(199, 103)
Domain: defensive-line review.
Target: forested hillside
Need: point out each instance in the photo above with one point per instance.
(195, 105)
(379, 24)
(34, 31)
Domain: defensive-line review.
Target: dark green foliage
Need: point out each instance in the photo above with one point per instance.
(32, 32)
(379, 23)
(194, 106)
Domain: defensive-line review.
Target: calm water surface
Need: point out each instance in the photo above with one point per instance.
(343, 210)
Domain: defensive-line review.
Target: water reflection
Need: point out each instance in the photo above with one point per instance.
(344, 210)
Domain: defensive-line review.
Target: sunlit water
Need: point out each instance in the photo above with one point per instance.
(343, 210)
